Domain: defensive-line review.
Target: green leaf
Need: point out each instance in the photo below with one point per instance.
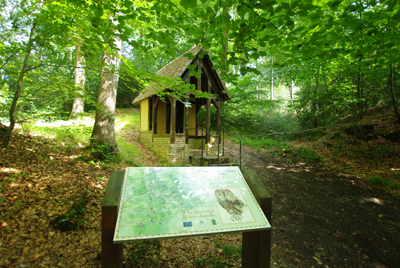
(189, 3)
(285, 5)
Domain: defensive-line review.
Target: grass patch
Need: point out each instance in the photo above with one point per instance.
(307, 154)
(314, 135)
(127, 119)
(77, 131)
(70, 135)
(384, 182)
(264, 143)
(128, 153)
(231, 250)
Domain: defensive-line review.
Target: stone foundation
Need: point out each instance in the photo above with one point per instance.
(160, 145)
(179, 152)
(146, 139)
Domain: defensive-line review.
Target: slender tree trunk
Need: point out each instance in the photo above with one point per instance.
(104, 126)
(315, 100)
(225, 45)
(272, 86)
(78, 104)
(19, 87)
(359, 91)
(291, 91)
(272, 80)
(392, 90)
(257, 97)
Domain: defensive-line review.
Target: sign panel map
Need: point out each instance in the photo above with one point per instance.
(165, 202)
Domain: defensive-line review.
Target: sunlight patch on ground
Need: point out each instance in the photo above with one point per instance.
(11, 170)
(87, 121)
(278, 168)
(373, 200)
(120, 126)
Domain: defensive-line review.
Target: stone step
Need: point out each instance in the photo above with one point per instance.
(230, 164)
(214, 159)
(208, 160)
(195, 152)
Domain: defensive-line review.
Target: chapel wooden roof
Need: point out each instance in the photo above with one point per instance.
(178, 67)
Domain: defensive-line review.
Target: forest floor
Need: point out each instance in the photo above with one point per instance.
(324, 213)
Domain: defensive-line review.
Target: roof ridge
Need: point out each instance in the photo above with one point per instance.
(192, 50)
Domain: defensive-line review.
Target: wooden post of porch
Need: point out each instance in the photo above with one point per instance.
(187, 121)
(173, 120)
(208, 113)
(219, 106)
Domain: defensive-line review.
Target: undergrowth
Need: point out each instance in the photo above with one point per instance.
(72, 220)
(145, 252)
(385, 182)
(230, 253)
(307, 154)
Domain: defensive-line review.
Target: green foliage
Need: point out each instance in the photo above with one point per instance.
(314, 135)
(213, 261)
(101, 152)
(230, 251)
(307, 154)
(145, 251)
(72, 220)
(385, 182)
(382, 151)
(263, 142)
(67, 134)
(128, 153)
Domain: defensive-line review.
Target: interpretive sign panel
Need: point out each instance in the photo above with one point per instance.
(163, 202)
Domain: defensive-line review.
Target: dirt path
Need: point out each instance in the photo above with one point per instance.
(325, 219)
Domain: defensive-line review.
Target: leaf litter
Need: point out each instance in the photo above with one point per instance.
(41, 181)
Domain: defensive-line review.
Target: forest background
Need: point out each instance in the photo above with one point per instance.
(288, 65)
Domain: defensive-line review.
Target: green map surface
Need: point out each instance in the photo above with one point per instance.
(162, 202)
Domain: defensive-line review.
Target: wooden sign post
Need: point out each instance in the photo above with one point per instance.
(221, 189)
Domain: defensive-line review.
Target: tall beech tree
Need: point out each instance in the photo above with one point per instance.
(78, 104)
(104, 126)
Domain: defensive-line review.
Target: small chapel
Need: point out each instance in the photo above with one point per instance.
(168, 126)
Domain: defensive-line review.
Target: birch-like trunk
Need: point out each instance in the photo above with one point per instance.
(19, 88)
(78, 104)
(392, 90)
(104, 125)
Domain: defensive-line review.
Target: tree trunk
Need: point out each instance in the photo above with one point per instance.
(19, 87)
(225, 46)
(315, 100)
(359, 92)
(291, 91)
(79, 102)
(104, 126)
(272, 79)
(392, 86)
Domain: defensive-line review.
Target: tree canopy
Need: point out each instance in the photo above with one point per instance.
(341, 56)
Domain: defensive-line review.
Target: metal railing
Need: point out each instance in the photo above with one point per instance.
(202, 139)
(240, 145)
(202, 144)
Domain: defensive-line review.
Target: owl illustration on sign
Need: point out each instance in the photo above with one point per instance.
(233, 205)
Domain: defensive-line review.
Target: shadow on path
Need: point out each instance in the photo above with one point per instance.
(325, 219)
